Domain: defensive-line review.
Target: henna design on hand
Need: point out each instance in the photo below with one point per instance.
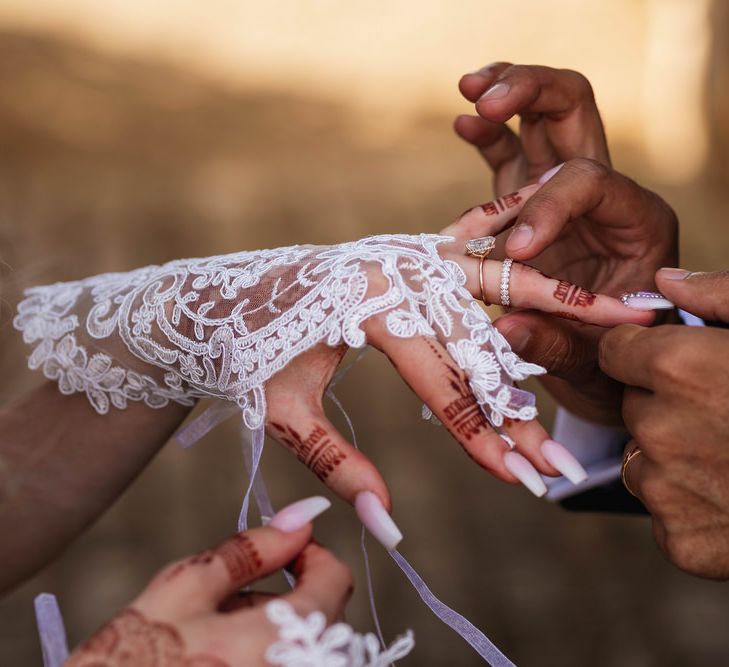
(502, 204)
(317, 452)
(132, 639)
(240, 556)
(463, 416)
(573, 295)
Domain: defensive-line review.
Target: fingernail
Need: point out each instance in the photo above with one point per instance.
(483, 71)
(646, 301)
(496, 92)
(296, 515)
(520, 237)
(525, 472)
(518, 338)
(562, 459)
(674, 274)
(549, 173)
(375, 518)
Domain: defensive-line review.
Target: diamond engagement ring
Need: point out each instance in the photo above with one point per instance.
(624, 468)
(481, 247)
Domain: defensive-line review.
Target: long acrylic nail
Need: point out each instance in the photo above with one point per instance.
(562, 459)
(520, 237)
(646, 301)
(375, 518)
(496, 92)
(674, 274)
(525, 472)
(296, 515)
(549, 173)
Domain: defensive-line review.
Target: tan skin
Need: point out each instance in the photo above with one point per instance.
(675, 407)
(193, 613)
(591, 226)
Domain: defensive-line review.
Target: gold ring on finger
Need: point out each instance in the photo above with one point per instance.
(624, 468)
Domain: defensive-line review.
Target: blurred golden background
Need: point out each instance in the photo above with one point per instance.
(135, 132)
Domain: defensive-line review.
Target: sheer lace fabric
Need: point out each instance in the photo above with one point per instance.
(222, 326)
(307, 642)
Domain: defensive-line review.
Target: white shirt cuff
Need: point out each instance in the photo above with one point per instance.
(598, 448)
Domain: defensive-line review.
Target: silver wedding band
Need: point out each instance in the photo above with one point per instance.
(505, 282)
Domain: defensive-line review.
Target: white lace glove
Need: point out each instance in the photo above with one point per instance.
(271, 326)
(223, 326)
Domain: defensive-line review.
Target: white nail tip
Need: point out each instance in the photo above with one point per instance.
(549, 173)
(563, 460)
(646, 301)
(525, 472)
(295, 516)
(375, 518)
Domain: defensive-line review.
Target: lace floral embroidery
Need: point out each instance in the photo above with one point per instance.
(307, 642)
(222, 326)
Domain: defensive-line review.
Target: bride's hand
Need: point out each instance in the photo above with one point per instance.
(296, 416)
(194, 613)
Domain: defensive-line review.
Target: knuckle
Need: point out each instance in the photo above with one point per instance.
(606, 347)
(523, 73)
(542, 209)
(586, 168)
(556, 352)
(657, 494)
(683, 552)
(581, 84)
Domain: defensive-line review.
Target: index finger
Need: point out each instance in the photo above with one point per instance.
(564, 98)
(491, 218)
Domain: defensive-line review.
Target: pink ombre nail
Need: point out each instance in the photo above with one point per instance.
(374, 516)
(295, 516)
(525, 472)
(562, 459)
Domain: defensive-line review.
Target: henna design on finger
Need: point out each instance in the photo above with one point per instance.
(463, 416)
(132, 639)
(317, 451)
(573, 295)
(501, 204)
(240, 556)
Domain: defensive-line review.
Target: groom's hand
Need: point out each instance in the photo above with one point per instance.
(559, 121)
(587, 225)
(676, 407)
(594, 227)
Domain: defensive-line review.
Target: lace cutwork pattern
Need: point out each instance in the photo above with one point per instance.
(222, 326)
(307, 642)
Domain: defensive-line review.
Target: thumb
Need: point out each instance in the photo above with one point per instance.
(705, 295)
